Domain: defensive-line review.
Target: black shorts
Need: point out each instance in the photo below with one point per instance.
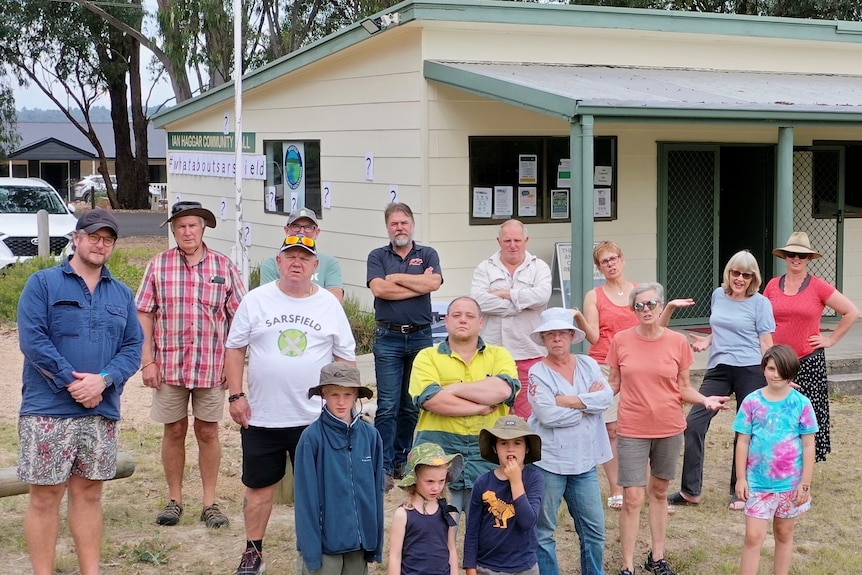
(264, 454)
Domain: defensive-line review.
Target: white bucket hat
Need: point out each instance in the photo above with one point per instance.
(557, 318)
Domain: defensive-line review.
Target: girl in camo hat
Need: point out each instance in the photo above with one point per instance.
(422, 536)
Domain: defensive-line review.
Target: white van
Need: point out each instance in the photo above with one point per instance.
(20, 200)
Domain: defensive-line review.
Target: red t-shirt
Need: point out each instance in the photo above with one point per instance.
(650, 403)
(613, 319)
(797, 316)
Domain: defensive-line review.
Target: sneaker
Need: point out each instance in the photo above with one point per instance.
(171, 514)
(251, 563)
(213, 517)
(659, 567)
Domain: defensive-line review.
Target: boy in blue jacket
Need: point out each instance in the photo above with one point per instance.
(339, 481)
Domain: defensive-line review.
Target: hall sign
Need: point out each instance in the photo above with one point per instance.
(210, 141)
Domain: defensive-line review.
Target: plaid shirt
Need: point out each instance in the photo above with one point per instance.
(193, 311)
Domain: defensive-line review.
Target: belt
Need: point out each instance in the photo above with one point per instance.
(406, 328)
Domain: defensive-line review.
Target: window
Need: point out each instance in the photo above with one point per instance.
(826, 177)
(529, 178)
(292, 176)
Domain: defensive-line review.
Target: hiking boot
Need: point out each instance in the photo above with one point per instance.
(251, 563)
(213, 517)
(659, 567)
(171, 514)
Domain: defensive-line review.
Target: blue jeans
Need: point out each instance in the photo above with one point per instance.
(584, 501)
(396, 414)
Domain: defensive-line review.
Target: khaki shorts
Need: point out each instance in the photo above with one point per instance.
(171, 403)
(638, 456)
(350, 563)
(51, 449)
(611, 413)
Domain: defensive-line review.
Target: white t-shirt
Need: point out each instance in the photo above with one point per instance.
(289, 340)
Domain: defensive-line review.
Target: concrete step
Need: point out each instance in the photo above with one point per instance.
(845, 383)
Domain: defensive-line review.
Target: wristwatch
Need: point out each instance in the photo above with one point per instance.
(106, 377)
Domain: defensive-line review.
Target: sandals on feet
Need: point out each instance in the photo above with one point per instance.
(678, 499)
(736, 504)
(615, 502)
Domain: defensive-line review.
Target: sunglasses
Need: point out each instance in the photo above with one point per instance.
(294, 240)
(642, 305)
(793, 255)
(745, 275)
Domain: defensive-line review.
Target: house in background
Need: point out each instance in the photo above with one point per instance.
(684, 137)
(61, 155)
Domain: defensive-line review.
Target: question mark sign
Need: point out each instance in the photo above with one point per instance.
(293, 203)
(394, 196)
(223, 210)
(247, 235)
(326, 200)
(368, 168)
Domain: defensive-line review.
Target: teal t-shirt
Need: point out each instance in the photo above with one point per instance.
(328, 274)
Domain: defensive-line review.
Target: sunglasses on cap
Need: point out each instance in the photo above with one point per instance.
(642, 305)
(745, 275)
(302, 241)
(794, 255)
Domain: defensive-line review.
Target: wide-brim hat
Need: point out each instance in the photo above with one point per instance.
(342, 374)
(432, 455)
(182, 209)
(557, 318)
(509, 427)
(302, 213)
(797, 243)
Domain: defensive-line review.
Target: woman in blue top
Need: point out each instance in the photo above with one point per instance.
(742, 326)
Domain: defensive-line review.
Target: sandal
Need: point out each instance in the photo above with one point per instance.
(736, 504)
(615, 502)
(678, 499)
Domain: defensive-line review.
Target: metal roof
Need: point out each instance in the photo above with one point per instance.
(36, 134)
(659, 93)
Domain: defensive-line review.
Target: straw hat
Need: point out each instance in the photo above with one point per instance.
(509, 427)
(797, 243)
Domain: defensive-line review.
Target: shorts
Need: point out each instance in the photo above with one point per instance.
(534, 570)
(264, 453)
(171, 403)
(781, 505)
(52, 449)
(350, 563)
(637, 455)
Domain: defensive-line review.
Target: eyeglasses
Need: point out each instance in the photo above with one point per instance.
(609, 261)
(745, 275)
(642, 305)
(300, 228)
(94, 239)
(293, 240)
(793, 255)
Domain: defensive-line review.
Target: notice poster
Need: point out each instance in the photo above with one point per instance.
(526, 201)
(603, 176)
(503, 201)
(482, 202)
(602, 202)
(559, 204)
(528, 169)
(564, 173)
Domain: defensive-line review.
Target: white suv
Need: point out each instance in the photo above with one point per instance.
(20, 200)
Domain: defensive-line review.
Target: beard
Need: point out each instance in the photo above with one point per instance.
(401, 241)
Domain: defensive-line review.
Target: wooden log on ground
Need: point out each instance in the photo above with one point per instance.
(9, 484)
(284, 488)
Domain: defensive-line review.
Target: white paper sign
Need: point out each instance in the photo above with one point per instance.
(327, 195)
(602, 205)
(559, 204)
(223, 209)
(216, 165)
(603, 176)
(369, 166)
(528, 168)
(564, 173)
(526, 201)
(503, 200)
(294, 201)
(246, 232)
(482, 202)
(270, 198)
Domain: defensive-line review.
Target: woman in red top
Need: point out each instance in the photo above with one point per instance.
(798, 299)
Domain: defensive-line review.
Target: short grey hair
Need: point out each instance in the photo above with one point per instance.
(645, 287)
(512, 222)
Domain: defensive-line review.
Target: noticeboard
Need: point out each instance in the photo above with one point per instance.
(561, 296)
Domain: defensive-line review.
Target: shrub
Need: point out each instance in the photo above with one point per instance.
(362, 323)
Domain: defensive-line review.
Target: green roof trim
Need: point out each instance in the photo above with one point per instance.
(528, 13)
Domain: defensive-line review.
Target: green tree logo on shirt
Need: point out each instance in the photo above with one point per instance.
(292, 342)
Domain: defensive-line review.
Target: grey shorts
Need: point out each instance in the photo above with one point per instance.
(534, 570)
(352, 563)
(51, 449)
(637, 456)
(171, 403)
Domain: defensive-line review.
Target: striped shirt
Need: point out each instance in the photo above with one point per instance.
(193, 307)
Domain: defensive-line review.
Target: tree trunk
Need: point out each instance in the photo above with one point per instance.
(139, 129)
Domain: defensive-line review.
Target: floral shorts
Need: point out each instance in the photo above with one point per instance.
(51, 449)
(780, 505)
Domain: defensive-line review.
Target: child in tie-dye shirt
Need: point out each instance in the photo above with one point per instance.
(776, 426)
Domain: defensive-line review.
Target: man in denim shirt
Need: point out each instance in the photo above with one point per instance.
(81, 339)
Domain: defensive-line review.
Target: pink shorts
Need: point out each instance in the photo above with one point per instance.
(780, 505)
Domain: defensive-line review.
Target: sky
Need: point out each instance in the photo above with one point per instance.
(34, 97)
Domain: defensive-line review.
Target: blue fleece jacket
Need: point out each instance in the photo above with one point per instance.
(339, 490)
